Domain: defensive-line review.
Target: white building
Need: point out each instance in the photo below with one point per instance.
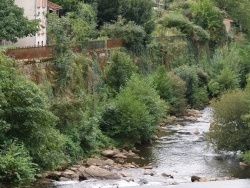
(35, 9)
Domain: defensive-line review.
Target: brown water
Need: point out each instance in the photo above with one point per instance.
(179, 152)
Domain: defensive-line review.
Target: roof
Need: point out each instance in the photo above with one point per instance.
(53, 6)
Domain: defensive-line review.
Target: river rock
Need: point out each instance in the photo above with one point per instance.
(189, 118)
(129, 179)
(120, 155)
(197, 132)
(148, 167)
(64, 179)
(195, 178)
(243, 164)
(143, 181)
(167, 175)
(99, 173)
(131, 154)
(135, 150)
(125, 175)
(99, 162)
(155, 137)
(110, 153)
(82, 174)
(193, 113)
(69, 174)
(54, 175)
(129, 165)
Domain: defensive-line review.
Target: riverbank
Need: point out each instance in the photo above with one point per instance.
(178, 153)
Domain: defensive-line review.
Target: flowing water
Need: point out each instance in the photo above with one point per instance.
(181, 151)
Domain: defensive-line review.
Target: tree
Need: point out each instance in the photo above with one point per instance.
(231, 130)
(132, 34)
(135, 113)
(59, 36)
(13, 24)
(238, 11)
(83, 23)
(107, 10)
(119, 71)
(25, 117)
(139, 11)
(209, 17)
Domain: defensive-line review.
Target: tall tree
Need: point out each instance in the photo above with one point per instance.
(107, 10)
(139, 11)
(238, 11)
(13, 24)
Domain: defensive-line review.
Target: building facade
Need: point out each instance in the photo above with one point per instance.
(34, 9)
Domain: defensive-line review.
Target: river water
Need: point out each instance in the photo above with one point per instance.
(181, 151)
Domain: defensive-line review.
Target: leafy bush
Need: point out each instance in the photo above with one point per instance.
(179, 21)
(170, 88)
(246, 157)
(196, 92)
(119, 71)
(231, 131)
(26, 117)
(79, 121)
(133, 116)
(133, 35)
(16, 165)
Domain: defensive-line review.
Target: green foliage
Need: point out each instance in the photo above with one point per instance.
(78, 120)
(209, 17)
(137, 11)
(140, 12)
(133, 35)
(170, 88)
(192, 31)
(119, 71)
(25, 116)
(16, 167)
(196, 93)
(59, 36)
(225, 68)
(13, 24)
(70, 122)
(246, 156)
(238, 11)
(231, 131)
(133, 116)
(107, 10)
(83, 23)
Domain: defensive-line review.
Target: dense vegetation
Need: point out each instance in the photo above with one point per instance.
(176, 56)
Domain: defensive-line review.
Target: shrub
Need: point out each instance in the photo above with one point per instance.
(16, 167)
(133, 116)
(78, 121)
(232, 130)
(119, 71)
(246, 157)
(132, 34)
(171, 89)
(26, 117)
(196, 92)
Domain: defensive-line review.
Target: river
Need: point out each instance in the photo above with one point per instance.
(181, 151)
